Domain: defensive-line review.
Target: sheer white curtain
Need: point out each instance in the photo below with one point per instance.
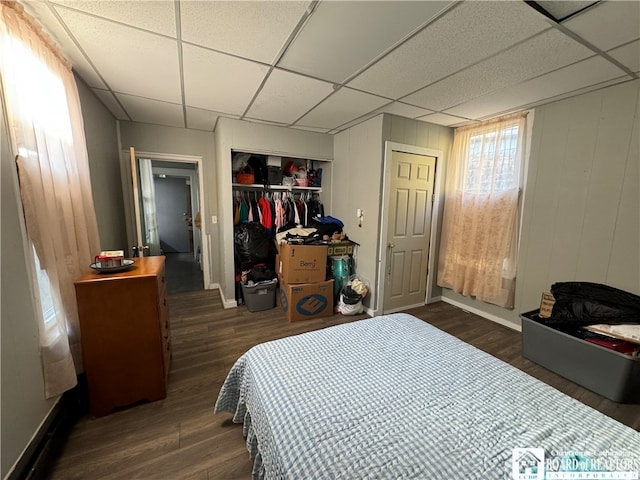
(45, 120)
(479, 236)
(148, 193)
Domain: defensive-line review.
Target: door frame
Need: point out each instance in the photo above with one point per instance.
(389, 148)
(130, 202)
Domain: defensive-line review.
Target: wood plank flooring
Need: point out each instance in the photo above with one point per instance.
(180, 437)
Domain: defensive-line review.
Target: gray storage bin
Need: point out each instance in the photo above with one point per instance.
(260, 297)
(609, 373)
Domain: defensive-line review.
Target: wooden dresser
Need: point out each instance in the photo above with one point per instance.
(124, 323)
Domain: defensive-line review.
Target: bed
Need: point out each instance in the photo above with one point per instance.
(392, 397)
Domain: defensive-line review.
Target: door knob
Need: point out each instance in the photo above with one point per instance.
(391, 245)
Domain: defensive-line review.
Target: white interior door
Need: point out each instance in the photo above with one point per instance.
(146, 223)
(411, 193)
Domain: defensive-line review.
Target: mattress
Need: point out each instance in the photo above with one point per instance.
(394, 397)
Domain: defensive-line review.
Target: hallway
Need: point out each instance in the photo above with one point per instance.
(183, 273)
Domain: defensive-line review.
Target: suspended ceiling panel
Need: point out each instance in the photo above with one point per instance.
(287, 62)
(215, 81)
(286, 97)
(129, 60)
(153, 111)
(404, 110)
(200, 119)
(343, 37)
(443, 119)
(608, 24)
(110, 101)
(592, 71)
(449, 45)
(57, 31)
(343, 106)
(526, 60)
(628, 55)
(154, 16)
(255, 30)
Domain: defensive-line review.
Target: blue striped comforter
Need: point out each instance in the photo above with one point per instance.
(392, 397)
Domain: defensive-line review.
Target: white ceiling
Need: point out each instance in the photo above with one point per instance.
(327, 65)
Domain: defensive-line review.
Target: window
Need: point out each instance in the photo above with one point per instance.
(492, 163)
(479, 234)
(44, 291)
(47, 134)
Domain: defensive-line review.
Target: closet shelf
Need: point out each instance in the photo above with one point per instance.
(285, 188)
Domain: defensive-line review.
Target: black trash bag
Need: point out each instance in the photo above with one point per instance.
(350, 296)
(261, 273)
(585, 303)
(252, 245)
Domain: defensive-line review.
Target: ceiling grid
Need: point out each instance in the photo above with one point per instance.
(327, 65)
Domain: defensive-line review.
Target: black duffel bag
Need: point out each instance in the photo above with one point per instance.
(252, 245)
(586, 303)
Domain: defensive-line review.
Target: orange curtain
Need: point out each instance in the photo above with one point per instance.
(479, 234)
(46, 127)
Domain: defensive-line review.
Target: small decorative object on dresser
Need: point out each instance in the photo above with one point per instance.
(124, 324)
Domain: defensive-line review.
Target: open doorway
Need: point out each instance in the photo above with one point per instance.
(168, 203)
(176, 201)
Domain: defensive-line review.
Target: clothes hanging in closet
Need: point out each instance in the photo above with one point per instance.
(276, 210)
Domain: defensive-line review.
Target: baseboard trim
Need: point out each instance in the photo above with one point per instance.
(480, 313)
(225, 303)
(37, 459)
(434, 299)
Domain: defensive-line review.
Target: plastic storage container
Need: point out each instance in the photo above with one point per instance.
(261, 296)
(609, 373)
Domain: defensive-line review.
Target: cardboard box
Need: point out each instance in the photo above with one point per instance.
(546, 304)
(304, 301)
(338, 249)
(302, 263)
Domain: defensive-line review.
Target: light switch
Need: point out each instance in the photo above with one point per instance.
(214, 219)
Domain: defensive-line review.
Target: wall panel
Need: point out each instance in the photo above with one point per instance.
(581, 201)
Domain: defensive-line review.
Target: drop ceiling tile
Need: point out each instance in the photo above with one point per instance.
(540, 90)
(560, 9)
(343, 106)
(145, 64)
(264, 122)
(522, 62)
(255, 30)
(40, 11)
(155, 16)
(218, 82)
(337, 40)
(404, 110)
(310, 129)
(111, 103)
(200, 119)
(287, 96)
(145, 110)
(628, 55)
(608, 24)
(357, 121)
(449, 44)
(443, 119)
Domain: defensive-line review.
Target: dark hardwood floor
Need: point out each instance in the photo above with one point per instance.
(180, 437)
